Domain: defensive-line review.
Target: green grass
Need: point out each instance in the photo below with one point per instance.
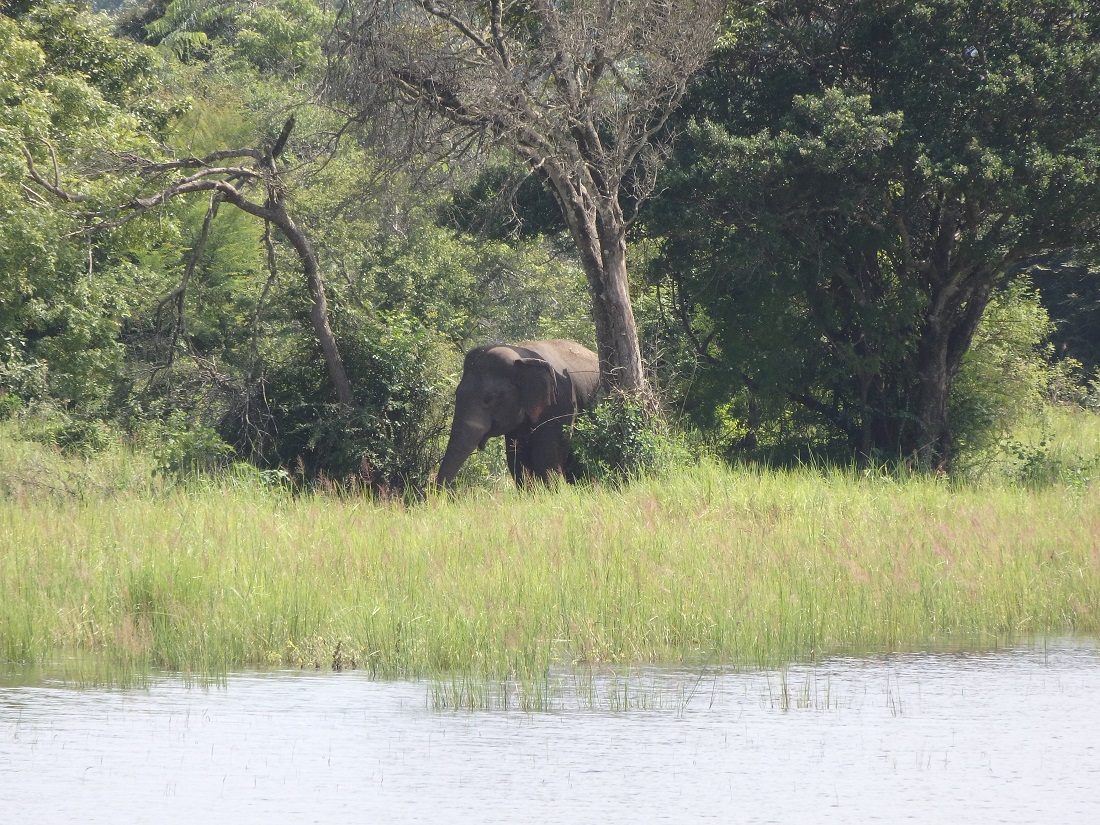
(1060, 445)
(707, 566)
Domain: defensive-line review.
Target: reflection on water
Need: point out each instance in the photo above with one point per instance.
(1002, 737)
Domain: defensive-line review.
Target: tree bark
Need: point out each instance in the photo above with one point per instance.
(622, 341)
(599, 233)
(945, 339)
(318, 313)
(933, 386)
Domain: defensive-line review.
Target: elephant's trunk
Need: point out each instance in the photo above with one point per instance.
(461, 445)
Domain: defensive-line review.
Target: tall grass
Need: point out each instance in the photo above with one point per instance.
(1061, 444)
(709, 565)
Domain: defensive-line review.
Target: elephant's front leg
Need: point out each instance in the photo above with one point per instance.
(517, 451)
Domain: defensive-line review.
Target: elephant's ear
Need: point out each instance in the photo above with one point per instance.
(538, 386)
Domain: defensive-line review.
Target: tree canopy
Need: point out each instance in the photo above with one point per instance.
(69, 90)
(859, 178)
(580, 92)
(869, 228)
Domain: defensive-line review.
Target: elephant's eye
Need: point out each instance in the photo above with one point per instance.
(488, 399)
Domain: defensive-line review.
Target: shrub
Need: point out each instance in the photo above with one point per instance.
(1008, 374)
(388, 441)
(182, 445)
(618, 439)
(50, 424)
(10, 404)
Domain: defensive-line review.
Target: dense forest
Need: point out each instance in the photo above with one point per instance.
(267, 231)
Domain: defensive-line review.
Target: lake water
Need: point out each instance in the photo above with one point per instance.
(1011, 736)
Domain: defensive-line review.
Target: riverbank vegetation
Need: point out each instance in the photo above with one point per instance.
(267, 232)
(840, 263)
(705, 564)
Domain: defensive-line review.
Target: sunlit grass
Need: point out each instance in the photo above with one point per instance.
(710, 566)
(1062, 444)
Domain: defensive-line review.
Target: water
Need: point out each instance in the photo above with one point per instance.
(1012, 736)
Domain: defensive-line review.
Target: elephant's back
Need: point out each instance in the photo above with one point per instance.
(582, 366)
(561, 349)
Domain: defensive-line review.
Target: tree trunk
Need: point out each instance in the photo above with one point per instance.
(318, 313)
(624, 369)
(946, 338)
(599, 233)
(933, 386)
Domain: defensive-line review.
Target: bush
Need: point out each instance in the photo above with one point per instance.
(50, 424)
(181, 445)
(388, 441)
(1089, 396)
(33, 465)
(1008, 374)
(618, 440)
(10, 404)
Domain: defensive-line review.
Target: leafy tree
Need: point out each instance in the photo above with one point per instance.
(858, 181)
(1069, 287)
(280, 36)
(579, 92)
(70, 88)
(1007, 375)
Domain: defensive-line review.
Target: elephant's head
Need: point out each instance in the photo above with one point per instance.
(501, 390)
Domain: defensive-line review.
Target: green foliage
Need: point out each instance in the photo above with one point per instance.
(183, 447)
(807, 317)
(278, 36)
(1010, 393)
(777, 241)
(82, 54)
(282, 36)
(71, 90)
(1007, 375)
(1090, 397)
(53, 426)
(1058, 446)
(504, 201)
(856, 181)
(618, 440)
(187, 25)
(1069, 287)
(95, 463)
(388, 442)
(379, 237)
(473, 290)
(10, 404)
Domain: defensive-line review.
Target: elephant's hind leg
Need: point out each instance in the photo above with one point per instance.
(546, 454)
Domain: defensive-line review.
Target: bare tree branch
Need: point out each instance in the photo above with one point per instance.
(55, 187)
(580, 91)
(221, 182)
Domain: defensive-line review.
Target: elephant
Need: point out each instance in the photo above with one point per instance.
(528, 392)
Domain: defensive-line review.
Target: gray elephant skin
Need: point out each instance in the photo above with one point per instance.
(529, 393)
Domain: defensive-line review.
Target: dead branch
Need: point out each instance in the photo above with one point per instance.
(225, 183)
(53, 188)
